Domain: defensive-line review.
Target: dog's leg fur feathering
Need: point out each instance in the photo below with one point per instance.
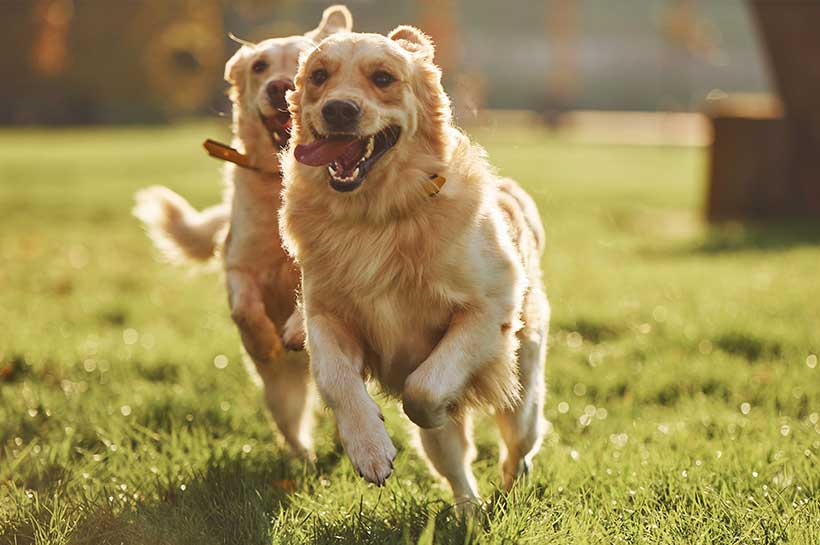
(179, 231)
(339, 378)
(289, 397)
(522, 426)
(450, 452)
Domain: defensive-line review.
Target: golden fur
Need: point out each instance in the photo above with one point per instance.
(438, 298)
(261, 278)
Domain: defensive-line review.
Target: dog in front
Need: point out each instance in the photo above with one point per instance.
(261, 279)
(420, 267)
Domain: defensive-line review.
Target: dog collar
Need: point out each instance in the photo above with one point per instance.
(224, 152)
(434, 184)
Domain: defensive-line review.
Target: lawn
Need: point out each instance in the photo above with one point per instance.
(684, 383)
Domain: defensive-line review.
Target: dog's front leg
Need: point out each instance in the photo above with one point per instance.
(474, 338)
(338, 365)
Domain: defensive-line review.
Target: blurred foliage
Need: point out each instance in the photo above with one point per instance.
(95, 61)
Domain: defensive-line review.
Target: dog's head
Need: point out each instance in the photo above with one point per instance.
(369, 107)
(260, 74)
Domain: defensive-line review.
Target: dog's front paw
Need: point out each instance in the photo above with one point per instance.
(293, 334)
(425, 407)
(368, 446)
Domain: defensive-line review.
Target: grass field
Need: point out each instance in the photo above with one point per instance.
(684, 384)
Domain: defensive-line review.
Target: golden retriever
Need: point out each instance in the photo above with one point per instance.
(434, 290)
(261, 279)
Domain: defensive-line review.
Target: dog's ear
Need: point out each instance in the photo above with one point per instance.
(414, 41)
(334, 19)
(234, 65)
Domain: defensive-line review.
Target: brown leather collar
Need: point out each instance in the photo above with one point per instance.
(225, 152)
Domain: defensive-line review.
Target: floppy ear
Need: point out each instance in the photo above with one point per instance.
(334, 19)
(413, 40)
(235, 64)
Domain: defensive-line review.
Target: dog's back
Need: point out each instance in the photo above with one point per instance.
(521, 211)
(527, 233)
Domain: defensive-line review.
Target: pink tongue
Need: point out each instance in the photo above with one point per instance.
(326, 150)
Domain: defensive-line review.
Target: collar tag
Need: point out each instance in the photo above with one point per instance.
(434, 184)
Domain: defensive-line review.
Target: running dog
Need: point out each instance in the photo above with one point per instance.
(261, 279)
(420, 266)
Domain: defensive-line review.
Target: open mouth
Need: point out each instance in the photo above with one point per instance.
(348, 158)
(278, 126)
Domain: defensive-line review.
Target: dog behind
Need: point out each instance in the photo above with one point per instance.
(261, 279)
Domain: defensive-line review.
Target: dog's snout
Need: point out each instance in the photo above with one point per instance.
(276, 89)
(341, 114)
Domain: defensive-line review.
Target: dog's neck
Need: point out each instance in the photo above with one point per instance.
(252, 138)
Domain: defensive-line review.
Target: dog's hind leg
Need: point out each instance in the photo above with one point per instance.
(259, 334)
(450, 451)
(285, 377)
(522, 427)
(290, 399)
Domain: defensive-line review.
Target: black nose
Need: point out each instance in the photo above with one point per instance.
(341, 114)
(276, 90)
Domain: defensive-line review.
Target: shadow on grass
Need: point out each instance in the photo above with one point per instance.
(405, 521)
(411, 520)
(733, 238)
(748, 346)
(780, 235)
(231, 500)
(233, 505)
(590, 329)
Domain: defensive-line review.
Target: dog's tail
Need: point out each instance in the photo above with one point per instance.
(180, 233)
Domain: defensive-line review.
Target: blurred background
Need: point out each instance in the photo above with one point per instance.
(91, 61)
(672, 149)
(651, 72)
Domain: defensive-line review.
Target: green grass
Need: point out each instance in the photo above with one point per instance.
(683, 390)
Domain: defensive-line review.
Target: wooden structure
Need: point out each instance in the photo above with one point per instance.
(764, 164)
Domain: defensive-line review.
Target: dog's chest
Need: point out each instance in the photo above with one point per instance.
(392, 286)
(400, 330)
(254, 240)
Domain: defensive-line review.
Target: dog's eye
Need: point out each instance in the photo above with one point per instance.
(318, 76)
(259, 66)
(380, 78)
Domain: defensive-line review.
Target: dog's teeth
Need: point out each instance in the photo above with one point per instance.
(370, 146)
(343, 179)
(333, 168)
